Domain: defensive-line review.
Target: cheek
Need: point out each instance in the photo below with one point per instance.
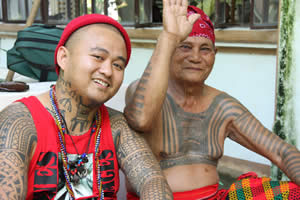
(118, 77)
(177, 62)
(180, 56)
(209, 60)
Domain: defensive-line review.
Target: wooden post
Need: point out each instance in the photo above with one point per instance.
(29, 22)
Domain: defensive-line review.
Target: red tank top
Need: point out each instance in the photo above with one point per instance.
(45, 175)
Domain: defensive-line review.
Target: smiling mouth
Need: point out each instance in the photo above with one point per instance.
(193, 68)
(104, 84)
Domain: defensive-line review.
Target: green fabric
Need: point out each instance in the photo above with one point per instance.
(33, 52)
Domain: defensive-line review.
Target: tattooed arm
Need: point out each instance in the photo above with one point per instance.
(249, 132)
(17, 139)
(137, 161)
(144, 103)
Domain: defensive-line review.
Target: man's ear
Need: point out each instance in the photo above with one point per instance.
(62, 57)
(216, 50)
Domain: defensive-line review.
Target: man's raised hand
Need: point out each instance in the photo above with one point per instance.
(175, 20)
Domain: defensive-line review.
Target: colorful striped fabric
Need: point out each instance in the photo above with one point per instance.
(251, 187)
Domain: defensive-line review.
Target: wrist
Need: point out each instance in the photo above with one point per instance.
(170, 38)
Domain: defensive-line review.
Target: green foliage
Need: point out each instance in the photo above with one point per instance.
(193, 2)
(285, 121)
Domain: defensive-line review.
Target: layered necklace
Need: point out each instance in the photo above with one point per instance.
(75, 170)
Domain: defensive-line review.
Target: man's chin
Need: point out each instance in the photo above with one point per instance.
(94, 102)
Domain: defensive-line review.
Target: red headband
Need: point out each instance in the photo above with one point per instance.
(203, 27)
(88, 19)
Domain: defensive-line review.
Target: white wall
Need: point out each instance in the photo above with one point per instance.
(137, 64)
(5, 43)
(251, 79)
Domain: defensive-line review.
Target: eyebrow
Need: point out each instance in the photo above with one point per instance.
(206, 45)
(191, 43)
(105, 51)
(99, 49)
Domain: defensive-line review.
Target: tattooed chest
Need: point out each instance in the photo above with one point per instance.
(189, 140)
(194, 138)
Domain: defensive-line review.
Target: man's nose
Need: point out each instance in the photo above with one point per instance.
(196, 56)
(106, 68)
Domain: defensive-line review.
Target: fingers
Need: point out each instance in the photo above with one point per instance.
(185, 3)
(192, 18)
(166, 3)
(175, 2)
(178, 2)
(170, 2)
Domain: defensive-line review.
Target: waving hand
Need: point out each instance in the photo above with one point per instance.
(175, 20)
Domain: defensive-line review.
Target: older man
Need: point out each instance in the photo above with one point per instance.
(186, 121)
(66, 144)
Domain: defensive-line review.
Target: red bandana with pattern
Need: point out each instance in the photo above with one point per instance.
(203, 27)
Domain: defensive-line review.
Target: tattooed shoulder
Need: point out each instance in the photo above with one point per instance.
(17, 138)
(117, 124)
(17, 129)
(224, 103)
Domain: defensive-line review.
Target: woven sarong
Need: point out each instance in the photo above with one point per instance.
(249, 186)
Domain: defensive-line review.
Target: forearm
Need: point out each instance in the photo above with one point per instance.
(151, 90)
(291, 162)
(156, 188)
(139, 164)
(143, 172)
(249, 132)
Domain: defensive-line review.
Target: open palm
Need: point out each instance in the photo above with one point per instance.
(175, 20)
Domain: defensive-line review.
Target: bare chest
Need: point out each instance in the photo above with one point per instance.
(182, 138)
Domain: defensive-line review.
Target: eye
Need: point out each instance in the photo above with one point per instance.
(119, 67)
(205, 49)
(98, 57)
(185, 46)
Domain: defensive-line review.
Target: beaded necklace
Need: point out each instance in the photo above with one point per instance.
(68, 167)
(77, 168)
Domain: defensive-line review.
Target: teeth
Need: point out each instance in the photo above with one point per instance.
(101, 82)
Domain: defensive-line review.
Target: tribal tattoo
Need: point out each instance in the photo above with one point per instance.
(196, 138)
(81, 117)
(137, 161)
(82, 111)
(269, 143)
(137, 104)
(17, 138)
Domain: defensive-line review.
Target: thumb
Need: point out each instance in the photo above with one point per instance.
(193, 18)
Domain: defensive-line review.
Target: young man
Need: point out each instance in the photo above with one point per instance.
(187, 121)
(65, 144)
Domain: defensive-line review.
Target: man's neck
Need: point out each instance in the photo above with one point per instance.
(189, 96)
(78, 116)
